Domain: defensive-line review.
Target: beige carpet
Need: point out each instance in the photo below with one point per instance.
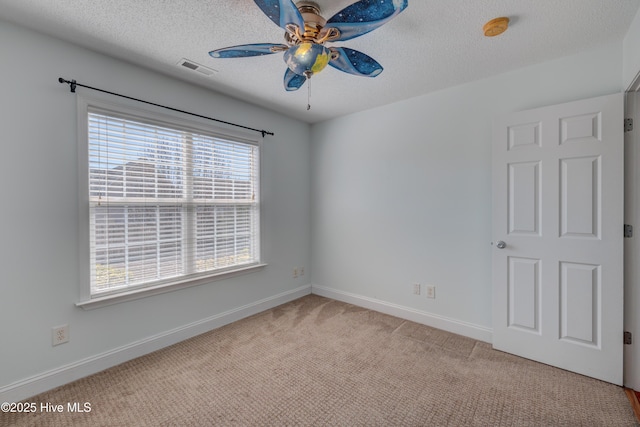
(316, 361)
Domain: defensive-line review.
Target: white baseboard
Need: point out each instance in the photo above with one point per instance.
(466, 329)
(65, 374)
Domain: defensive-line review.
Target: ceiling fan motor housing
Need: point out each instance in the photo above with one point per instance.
(310, 11)
(313, 25)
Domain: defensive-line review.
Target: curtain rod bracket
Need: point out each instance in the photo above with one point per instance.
(72, 86)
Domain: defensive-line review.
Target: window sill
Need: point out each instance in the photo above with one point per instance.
(103, 301)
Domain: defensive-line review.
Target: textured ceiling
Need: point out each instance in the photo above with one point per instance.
(432, 45)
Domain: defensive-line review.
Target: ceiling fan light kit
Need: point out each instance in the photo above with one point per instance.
(307, 58)
(306, 33)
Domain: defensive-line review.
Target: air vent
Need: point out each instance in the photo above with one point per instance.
(197, 67)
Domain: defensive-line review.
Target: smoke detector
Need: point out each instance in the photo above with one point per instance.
(496, 26)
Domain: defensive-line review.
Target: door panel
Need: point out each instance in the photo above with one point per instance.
(524, 198)
(580, 197)
(525, 135)
(579, 307)
(558, 206)
(581, 128)
(524, 292)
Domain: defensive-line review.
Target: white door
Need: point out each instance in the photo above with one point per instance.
(558, 236)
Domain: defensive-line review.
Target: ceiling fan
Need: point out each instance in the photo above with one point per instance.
(306, 33)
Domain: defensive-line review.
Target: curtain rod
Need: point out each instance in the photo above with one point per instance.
(73, 84)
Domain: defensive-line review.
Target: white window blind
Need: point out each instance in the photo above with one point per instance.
(167, 202)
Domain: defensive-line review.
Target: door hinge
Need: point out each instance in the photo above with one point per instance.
(628, 125)
(628, 230)
(628, 339)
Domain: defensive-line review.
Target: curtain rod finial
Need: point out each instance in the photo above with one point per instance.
(72, 83)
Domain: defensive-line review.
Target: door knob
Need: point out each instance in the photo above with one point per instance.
(501, 245)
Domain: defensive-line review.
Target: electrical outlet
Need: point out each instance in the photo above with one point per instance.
(295, 273)
(301, 271)
(60, 335)
(431, 292)
(416, 288)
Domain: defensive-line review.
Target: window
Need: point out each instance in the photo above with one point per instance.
(169, 201)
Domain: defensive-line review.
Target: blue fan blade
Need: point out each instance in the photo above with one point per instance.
(281, 12)
(364, 16)
(245, 50)
(354, 62)
(293, 81)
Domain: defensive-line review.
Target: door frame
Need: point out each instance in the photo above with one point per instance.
(631, 364)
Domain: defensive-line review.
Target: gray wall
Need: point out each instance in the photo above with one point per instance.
(401, 194)
(368, 203)
(39, 281)
(631, 53)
